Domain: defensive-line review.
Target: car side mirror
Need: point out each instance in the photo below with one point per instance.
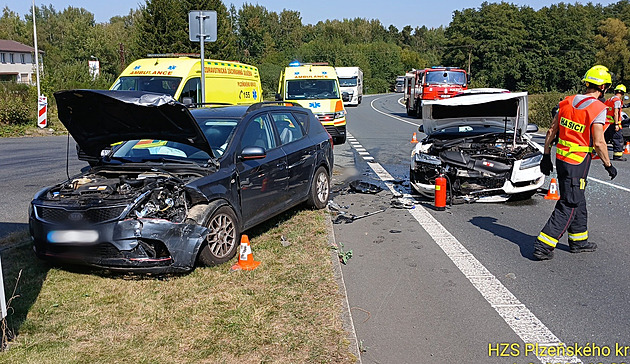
(187, 101)
(421, 128)
(251, 153)
(278, 97)
(531, 128)
(345, 97)
(468, 79)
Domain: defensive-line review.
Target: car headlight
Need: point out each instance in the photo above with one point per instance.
(340, 114)
(531, 162)
(428, 159)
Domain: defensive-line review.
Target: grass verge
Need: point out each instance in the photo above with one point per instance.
(288, 310)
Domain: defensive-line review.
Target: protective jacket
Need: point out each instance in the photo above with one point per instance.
(610, 110)
(574, 135)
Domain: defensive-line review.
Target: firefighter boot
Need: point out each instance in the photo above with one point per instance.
(542, 251)
(582, 246)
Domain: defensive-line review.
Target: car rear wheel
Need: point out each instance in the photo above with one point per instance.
(223, 237)
(320, 189)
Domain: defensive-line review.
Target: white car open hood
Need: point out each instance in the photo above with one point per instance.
(491, 108)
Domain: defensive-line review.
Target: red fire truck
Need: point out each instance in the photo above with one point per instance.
(432, 84)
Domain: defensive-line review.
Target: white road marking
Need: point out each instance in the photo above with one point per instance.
(391, 116)
(359, 148)
(609, 184)
(520, 319)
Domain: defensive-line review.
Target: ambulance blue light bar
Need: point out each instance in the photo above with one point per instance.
(294, 64)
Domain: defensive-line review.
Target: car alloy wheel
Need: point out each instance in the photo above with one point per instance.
(223, 237)
(320, 189)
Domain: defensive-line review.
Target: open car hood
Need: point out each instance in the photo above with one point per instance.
(98, 118)
(488, 108)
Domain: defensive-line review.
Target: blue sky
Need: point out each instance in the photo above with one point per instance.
(397, 12)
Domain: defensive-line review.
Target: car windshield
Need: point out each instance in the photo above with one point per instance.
(161, 85)
(347, 82)
(312, 89)
(446, 77)
(461, 131)
(218, 132)
(143, 150)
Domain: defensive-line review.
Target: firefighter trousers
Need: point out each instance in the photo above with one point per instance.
(570, 211)
(616, 137)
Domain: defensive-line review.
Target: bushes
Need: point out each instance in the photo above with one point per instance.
(540, 108)
(18, 104)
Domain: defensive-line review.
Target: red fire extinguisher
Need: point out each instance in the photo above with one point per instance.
(440, 193)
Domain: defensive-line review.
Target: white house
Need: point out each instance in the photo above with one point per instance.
(17, 62)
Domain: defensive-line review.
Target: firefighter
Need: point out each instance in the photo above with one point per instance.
(613, 117)
(580, 128)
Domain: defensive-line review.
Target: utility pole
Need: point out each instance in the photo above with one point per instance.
(36, 51)
(121, 53)
(469, 58)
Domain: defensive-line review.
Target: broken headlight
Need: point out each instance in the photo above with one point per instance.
(427, 159)
(531, 162)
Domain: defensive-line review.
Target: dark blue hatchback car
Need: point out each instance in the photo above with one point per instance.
(169, 187)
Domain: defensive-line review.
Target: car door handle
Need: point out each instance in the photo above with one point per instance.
(281, 165)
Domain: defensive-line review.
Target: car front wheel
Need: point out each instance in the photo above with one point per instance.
(223, 237)
(320, 189)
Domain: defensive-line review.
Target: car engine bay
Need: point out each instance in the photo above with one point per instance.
(471, 164)
(152, 194)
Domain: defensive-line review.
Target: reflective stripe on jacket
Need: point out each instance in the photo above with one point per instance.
(574, 132)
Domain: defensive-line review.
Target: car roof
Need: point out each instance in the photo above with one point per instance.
(239, 111)
(220, 112)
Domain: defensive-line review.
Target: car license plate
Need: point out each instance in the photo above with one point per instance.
(73, 236)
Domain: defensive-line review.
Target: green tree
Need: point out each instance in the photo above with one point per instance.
(613, 52)
(162, 27)
(13, 28)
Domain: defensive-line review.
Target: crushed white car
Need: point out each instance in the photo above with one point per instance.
(478, 140)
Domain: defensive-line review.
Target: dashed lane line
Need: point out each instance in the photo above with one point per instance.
(518, 317)
(359, 148)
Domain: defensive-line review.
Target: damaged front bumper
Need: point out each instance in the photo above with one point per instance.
(131, 245)
(520, 181)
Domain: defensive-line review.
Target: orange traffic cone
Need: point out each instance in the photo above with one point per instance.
(414, 139)
(245, 258)
(552, 193)
(626, 150)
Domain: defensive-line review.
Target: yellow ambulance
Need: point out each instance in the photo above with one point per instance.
(227, 82)
(316, 87)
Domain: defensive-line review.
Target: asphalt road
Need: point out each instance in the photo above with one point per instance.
(26, 166)
(412, 304)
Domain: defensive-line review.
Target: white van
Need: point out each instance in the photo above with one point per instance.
(351, 81)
